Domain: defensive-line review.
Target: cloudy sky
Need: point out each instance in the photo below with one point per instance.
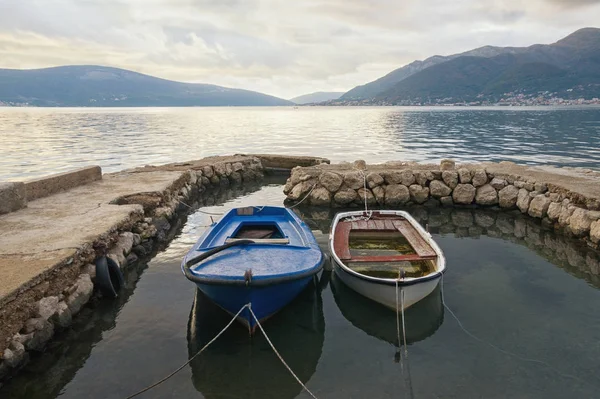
(280, 47)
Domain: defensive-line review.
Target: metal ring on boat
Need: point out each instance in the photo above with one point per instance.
(109, 278)
(242, 282)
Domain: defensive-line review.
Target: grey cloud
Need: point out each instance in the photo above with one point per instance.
(574, 3)
(280, 47)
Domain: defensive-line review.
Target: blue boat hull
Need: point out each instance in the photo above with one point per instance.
(267, 271)
(264, 300)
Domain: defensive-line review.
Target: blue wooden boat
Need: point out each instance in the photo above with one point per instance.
(264, 256)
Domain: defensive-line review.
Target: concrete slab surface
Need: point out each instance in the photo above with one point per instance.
(52, 229)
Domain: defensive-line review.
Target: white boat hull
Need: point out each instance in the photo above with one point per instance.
(383, 290)
(386, 294)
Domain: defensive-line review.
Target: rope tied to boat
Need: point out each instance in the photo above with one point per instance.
(246, 306)
(512, 354)
(400, 309)
(277, 353)
(193, 357)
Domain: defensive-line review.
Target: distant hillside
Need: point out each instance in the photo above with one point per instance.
(569, 68)
(74, 86)
(317, 97)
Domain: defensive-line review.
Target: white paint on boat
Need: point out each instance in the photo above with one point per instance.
(383, 290)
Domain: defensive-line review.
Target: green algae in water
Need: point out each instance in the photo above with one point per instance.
(414, 269)
(379, 243)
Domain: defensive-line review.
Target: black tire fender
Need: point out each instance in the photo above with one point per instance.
(109, 278)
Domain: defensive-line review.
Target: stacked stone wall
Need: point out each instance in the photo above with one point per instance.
(395, 185)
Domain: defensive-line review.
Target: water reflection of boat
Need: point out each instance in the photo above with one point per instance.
(237, 366)
(422, 320)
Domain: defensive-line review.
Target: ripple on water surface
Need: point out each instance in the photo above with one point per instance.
(515, 285)
(38, 141)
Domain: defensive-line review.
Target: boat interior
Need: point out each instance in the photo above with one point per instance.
(384, 246)
(259, 231)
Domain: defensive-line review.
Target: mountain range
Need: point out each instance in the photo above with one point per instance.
(317, 97)
(99, 86)
(569, 68)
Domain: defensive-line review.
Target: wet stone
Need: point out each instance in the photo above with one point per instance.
(523, 200)
(447, 164)
(486, 195)
(379, 193)
(464, 194)
(498, 184)
(320, 196)
(538, 207)
(554, 211)
(396, 194)
(345, 196)
(407, 178)
(331, 181)
(299, 191)
(439, 189)
(508, 196)
(479, 178)
(354, 180)
(579, 222)
(369, 196)
(418, 194)
(450, 178)
(595, 232)
(464, 175)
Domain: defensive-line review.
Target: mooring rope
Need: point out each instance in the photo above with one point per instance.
(191, 358)
(400, 311)
(277, 353)
(525, 359)
(199, 210)
(305, 197)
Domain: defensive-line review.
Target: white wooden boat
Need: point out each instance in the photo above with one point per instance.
(386, 256)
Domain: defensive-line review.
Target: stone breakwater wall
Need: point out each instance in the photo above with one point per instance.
(565, 252)
(31, 316)
(568, 199)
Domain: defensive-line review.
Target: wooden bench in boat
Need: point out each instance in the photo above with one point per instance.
(384, 223)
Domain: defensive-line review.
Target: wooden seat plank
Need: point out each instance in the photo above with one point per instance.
(421, 247)
(341, 239)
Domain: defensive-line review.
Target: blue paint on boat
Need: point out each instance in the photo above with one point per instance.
(265, 272)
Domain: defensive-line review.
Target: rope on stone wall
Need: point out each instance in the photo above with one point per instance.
(305, 197)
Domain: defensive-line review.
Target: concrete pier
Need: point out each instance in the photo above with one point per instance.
(57, 226)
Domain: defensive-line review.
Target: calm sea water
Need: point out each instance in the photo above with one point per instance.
(528, 297)
(39, 141)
